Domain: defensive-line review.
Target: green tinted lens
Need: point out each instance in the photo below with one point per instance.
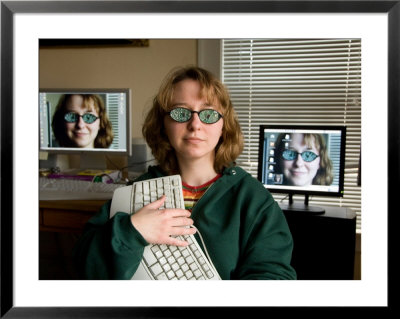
(289, 155)
(308, 156)
(180, 114)
(89, 118)
(71, 117)
(209, 116)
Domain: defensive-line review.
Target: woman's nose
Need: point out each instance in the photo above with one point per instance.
(299, 160)
(194, 122)
(80, 123)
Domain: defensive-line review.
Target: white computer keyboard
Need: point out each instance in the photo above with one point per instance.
(164, 262)
(62, 188)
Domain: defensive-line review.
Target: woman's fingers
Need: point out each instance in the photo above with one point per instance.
(161, 226)
(176, 241)
(177, 231)
(157, 204)
(181, 221)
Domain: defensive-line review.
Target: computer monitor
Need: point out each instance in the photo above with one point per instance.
(88, 122)
(305, 160)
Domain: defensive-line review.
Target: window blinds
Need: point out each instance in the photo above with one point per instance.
(112, 102)
(297, 81)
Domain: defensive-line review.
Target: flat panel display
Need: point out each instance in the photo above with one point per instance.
(84, 121)
(302, 159)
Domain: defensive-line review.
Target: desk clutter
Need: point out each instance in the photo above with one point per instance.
(91, 175)
(77, 184)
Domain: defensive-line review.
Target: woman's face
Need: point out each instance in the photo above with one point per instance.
(80, 133)
(299, 172)
(192, 140)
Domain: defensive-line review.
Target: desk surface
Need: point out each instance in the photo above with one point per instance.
(330, 212)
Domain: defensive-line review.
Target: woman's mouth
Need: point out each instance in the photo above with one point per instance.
(298, 173)
(193, 140)
(80, 134)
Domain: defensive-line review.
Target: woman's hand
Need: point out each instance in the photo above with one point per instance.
(157, 226)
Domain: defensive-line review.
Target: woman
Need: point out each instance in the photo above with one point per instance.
(303, 160)
(193, 131)
(81, 120)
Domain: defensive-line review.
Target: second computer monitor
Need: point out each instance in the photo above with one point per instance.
(302, 159)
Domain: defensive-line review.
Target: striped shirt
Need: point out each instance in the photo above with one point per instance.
(192, 194)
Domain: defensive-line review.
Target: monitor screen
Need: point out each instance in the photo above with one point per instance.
(84, 121)
(302, 159)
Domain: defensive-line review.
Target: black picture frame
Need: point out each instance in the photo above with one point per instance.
(10, 8)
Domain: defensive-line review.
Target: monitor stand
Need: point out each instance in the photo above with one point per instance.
(301, 208)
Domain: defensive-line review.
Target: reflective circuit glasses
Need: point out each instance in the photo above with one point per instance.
(72, 117)
(207, 116)
(291, 155)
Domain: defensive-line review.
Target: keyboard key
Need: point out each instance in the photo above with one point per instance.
(146, 188)
(205, 267)
(166, 267)
(150, 259)
(171, 260)
(175, 267)
(189, 274)
(197, 273)
(170, 274)
(185, 267)
(162, 260)
(189, 259)
(179, 273)
(162, 276)
(185, 253)
(156, 269)
(176, 253)
(193, 267)
(197, 253)
(180, 260)
(167, 253)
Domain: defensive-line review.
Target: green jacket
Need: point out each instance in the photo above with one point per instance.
(242, 226)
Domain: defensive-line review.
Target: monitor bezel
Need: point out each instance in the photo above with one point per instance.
(339, 193)
(100, 151)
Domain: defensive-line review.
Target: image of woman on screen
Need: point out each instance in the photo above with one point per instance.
(80, 120)
(192, 130)
(303, 159)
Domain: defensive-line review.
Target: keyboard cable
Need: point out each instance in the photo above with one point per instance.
(205, 248)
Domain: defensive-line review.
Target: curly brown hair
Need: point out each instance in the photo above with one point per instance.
(230, 144)
(105, 135)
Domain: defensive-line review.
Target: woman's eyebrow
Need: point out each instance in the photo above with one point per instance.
(182, 104)
(179, 104)
(295, 149)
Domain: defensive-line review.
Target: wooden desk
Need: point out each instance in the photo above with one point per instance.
(66, 215)
(60, 225)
